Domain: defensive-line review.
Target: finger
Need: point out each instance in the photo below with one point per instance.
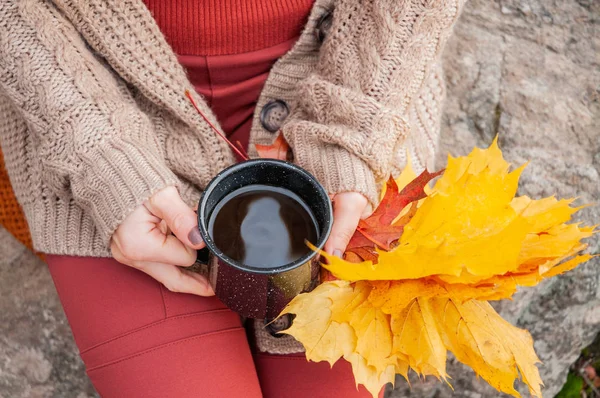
(176, 279)
(347, 210)
(117, 253)
(168, 205)
(148, 242)
(169, 249)
(163, 227)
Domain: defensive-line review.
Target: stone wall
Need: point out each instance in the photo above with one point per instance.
(529, 72)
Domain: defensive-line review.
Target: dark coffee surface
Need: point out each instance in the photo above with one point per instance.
(262, 226)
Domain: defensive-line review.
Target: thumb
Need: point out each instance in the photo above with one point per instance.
(181, 219)
(347, 210)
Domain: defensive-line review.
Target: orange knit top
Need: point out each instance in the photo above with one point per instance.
(221, 27)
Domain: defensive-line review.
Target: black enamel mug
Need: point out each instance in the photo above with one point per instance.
(262, 292)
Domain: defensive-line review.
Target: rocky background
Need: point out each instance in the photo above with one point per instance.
(527, 70)
(38, 357)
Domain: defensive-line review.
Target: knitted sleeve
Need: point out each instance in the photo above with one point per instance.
(97, 148)
(353, 110)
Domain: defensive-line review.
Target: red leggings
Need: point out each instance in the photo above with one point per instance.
(137, 339)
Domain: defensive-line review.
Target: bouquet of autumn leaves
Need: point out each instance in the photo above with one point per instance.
(417, 276)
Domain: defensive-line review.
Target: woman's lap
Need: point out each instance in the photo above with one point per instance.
(138, 339)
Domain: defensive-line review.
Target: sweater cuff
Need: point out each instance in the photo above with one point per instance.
(118, 177)
(346, 118)
(334, 167)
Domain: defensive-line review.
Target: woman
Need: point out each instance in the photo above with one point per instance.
(106, 155)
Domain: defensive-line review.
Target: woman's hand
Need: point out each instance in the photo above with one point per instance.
(348, 209)
(144, 241)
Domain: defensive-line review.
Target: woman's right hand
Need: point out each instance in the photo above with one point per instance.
(144, 241)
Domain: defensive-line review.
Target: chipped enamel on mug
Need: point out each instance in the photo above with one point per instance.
(262, 292)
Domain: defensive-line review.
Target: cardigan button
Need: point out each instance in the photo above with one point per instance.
(324, 26)
(274, 327)
(273, 114)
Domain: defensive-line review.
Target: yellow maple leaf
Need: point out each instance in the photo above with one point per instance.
(471, 228)
(323, 339)
(416, 336)
(469, 241)
(394, 296)
(492, 347)
(406, 176)
(327, 321)
(380, 341)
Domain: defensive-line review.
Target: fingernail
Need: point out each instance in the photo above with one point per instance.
(195, 237)
(337, 253)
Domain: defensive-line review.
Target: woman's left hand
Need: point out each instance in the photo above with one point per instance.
(348, 209)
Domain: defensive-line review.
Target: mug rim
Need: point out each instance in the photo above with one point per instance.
(214, 250)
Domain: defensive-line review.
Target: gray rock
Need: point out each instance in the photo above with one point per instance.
(31, 363)
(38, 357)
(531, 77)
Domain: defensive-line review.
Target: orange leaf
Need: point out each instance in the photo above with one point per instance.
(326, 276)
(386, 236)
(406, 217)
(382, 236)
(393, 202)
(379, 229)
(360, 254)
(415, 190)
(278, 150)
(359, 240)
(388, 208)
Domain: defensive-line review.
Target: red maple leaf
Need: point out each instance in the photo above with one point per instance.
(360, 254)
(378, 230)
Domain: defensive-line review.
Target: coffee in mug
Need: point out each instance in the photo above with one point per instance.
(263, 226)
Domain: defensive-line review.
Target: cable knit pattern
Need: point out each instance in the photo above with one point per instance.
(372, 66)
(85, 129)
(424, 115)
(93, 117)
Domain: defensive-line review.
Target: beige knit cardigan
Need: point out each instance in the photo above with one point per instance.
(93, 117)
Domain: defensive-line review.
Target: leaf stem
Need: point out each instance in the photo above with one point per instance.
(244, 156)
